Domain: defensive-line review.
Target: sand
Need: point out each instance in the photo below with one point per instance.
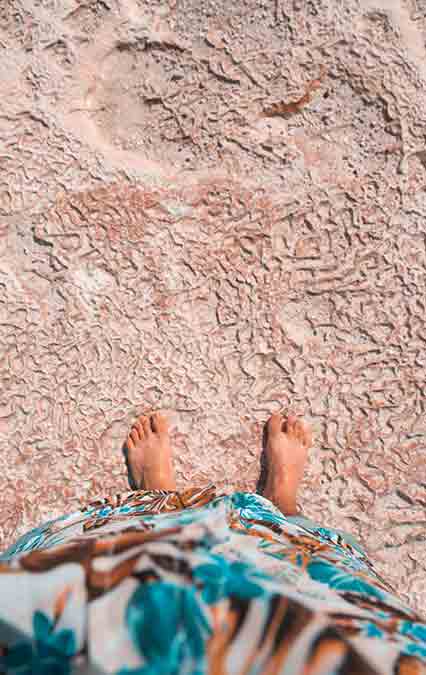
(216, 209)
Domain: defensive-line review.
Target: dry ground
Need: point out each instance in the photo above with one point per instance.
(216, 208)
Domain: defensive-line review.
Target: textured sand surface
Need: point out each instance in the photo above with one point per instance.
(164, 243)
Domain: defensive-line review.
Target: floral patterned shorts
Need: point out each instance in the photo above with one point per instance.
(191, 582)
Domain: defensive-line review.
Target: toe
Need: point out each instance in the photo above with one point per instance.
(159, 423)
(306, 435)
(138, 429)
(129, 443)
(291, 425)
(275, 423)
(146, 424)
(303, 433)
(134, 436)
(299, 430)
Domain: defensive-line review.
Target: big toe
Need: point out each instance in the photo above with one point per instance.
(275, 424)
(159, 423)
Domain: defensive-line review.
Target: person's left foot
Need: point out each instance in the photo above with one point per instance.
(150, 455)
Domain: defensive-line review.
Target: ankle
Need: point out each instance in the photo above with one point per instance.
(159, 480)
(283, 496)
(288, 507)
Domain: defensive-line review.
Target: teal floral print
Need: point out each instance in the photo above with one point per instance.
(340, 580)
(218, 578)
(254, 507)
(184, 627)
(164, 583)
(48, 653)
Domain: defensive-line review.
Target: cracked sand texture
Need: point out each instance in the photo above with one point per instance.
(165, 244)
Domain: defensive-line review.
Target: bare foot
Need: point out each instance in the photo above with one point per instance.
(150, 455)
(288, 442)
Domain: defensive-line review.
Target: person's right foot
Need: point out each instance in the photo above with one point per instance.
(150, 454)
(288, 442)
